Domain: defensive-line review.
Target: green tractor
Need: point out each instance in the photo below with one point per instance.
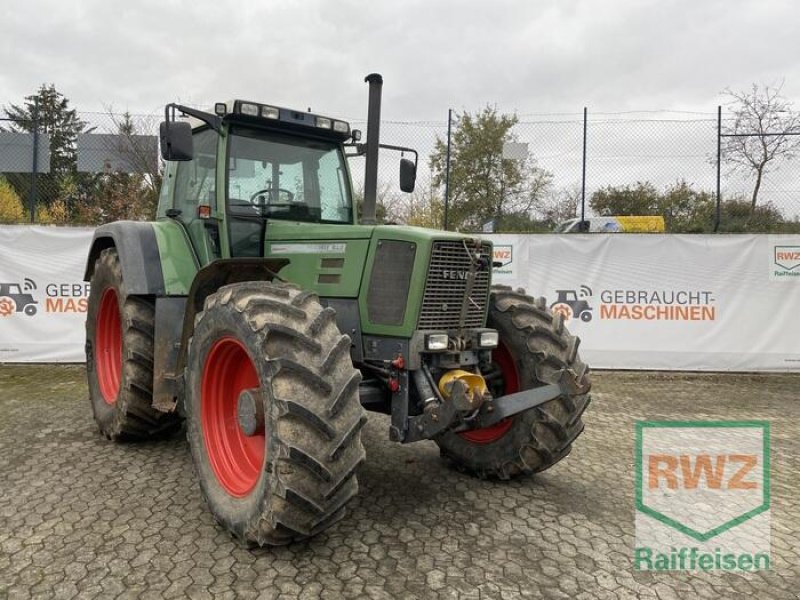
(260, 311)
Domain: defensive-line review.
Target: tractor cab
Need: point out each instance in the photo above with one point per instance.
(250, 163)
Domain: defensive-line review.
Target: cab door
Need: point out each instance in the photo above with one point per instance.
(194, 197)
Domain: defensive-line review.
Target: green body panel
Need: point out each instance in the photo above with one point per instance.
(307, 244)
(178, 260)
(328, 259)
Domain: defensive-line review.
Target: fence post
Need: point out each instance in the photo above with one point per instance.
(447, 170)
(35, 169)
(718, 214)
(583, 177)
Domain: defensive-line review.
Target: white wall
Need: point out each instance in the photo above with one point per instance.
(676, 302)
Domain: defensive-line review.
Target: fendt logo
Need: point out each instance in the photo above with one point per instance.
(16, 298)
(452, 274)
(702, 495)
(787, 257)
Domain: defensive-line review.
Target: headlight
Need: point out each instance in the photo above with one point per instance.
(323, 123)
(488, 339)
(436, 341)
(248, 109)
(270, 112)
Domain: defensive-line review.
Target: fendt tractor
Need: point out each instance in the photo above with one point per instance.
(262, 311)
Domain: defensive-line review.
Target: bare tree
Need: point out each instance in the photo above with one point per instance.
(766, 131)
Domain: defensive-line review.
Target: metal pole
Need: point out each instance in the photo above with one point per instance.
(583, 179)
(34, 171)
(447, 170)
(718, 214)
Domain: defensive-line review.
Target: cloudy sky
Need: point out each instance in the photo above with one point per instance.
(527, 56)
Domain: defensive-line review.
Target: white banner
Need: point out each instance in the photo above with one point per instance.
(673, 302)
(42, 293)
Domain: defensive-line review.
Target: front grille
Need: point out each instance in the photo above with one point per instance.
(445, 289)
(389, 282)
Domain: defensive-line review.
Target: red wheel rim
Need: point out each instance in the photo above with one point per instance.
(503, 359)
(237, 459)
(108, 346)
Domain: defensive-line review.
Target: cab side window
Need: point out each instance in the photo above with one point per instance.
(195, 182)
(195, 185)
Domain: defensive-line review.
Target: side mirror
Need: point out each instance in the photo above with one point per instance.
(408, 175)
(176, 140)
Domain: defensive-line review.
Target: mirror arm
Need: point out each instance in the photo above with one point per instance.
(212, 121)
(361, 149)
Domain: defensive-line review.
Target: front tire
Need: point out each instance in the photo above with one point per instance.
(120, 331)
(291, 476)
(535, 349)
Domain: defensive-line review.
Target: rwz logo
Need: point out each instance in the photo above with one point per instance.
(787, 257)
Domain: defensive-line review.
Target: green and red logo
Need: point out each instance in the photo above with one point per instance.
(702, 495)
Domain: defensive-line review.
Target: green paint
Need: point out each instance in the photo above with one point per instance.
(178, 260)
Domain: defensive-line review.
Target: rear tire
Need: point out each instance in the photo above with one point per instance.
(293, 477)
(119, 357)
(536, 349)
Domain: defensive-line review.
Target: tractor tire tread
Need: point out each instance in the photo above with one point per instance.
(132, 416)
(313, 452)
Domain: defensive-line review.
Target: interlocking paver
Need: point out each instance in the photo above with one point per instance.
(81, 517)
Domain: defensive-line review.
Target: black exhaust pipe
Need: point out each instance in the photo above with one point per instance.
(375, 82)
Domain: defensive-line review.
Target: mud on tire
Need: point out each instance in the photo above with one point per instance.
(301, 365)
(541, 350)
(119, 357)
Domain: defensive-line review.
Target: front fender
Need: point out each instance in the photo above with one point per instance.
(138, 254)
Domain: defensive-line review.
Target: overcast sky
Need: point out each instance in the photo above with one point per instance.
(525, 56)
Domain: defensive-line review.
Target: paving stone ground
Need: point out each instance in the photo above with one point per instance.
(82, 517)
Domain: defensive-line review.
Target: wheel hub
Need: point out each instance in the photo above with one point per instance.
(250, 412)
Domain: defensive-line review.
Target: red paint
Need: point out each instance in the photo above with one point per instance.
(108, 346)
(236, 459)
(502, 357)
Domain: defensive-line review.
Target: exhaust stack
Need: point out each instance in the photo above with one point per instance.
(375, 82)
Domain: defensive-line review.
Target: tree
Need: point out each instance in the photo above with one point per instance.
(640, 199)
(55, 118)
(686, 210)
(766, 127)
(484, 186)
(49, 111)
(11, 210)
(561, 206)
(114, 196)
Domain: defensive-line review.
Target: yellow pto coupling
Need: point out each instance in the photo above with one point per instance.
(466, 390)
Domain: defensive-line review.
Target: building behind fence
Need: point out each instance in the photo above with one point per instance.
(621, 150)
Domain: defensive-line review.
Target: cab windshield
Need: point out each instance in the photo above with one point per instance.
(282, 177)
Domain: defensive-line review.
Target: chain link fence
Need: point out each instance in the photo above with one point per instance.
(657, 163)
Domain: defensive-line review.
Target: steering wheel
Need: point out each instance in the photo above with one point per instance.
(271, 191)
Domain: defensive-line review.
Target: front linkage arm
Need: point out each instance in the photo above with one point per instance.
(445, 415)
